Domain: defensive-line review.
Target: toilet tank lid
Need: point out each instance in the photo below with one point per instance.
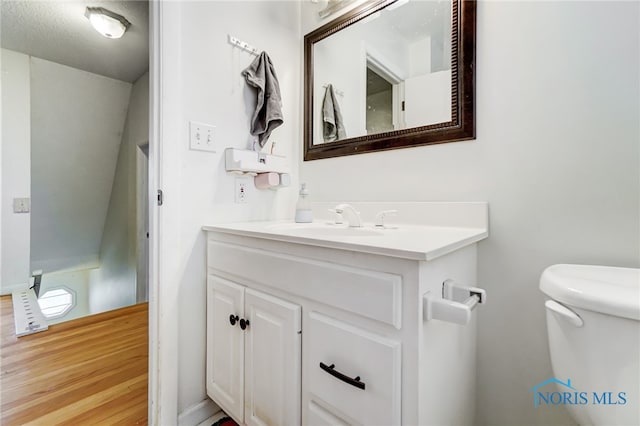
(606, 289)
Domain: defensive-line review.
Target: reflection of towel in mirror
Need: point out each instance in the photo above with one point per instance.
(333, 126)
(268, 114)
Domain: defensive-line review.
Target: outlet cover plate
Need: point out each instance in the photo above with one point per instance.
(21, 205)
(202, 136)
(241, 189)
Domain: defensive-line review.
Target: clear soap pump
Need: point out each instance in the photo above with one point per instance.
(303, 207)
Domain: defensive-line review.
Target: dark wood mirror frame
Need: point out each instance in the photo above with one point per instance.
(462, 125)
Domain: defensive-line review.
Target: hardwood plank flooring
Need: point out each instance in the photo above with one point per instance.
(87, 371)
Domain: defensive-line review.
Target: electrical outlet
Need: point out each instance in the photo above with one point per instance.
(242, 186)
(21, 205)
(202, 137)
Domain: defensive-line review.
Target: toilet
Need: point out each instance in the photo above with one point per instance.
(593, 324)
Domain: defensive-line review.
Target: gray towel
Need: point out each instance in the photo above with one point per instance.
(333, 126)
(268, 114)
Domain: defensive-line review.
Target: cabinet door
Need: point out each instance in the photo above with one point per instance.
(225, 346)
(272, 361)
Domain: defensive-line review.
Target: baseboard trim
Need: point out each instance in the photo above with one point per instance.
(198, 413)
(90, 261)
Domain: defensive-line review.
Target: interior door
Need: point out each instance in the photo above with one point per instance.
(423, 110)
(272, 360)
(225, 345)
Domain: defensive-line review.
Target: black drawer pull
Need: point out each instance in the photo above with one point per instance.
(233, 319)
(338, 375)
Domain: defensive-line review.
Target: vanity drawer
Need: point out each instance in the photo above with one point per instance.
(339, 286)
(355, 371)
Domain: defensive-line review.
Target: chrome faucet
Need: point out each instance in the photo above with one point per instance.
(350, 215)
(379, 221)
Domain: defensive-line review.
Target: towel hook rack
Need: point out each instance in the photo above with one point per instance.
(338, 92)
(234, 41)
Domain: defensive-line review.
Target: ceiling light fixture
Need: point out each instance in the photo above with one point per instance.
(106, 22)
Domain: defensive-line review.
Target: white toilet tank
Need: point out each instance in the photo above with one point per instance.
(593, 323)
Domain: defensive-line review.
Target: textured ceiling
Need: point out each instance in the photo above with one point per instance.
(58, 31)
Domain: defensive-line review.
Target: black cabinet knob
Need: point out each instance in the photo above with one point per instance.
(244, 323)
(233, 319)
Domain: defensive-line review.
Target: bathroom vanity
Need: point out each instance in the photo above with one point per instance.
(323, 324)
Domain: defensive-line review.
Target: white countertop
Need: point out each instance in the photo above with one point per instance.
(409, 241)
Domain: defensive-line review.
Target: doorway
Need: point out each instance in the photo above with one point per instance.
(86, 114)
(76, 259)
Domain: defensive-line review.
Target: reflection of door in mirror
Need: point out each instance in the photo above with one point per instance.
(83, 116)
(384, 96)
(379, 103)
(421, 110)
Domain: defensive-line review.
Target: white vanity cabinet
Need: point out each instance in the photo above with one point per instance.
(373, 348)
(253, 354)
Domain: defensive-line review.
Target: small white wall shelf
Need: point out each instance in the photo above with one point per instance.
(245, 161)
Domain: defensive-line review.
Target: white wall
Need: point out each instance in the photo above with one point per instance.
(113, 285)
(77, 119)
(16, 170)
(557, 158)
(208, 88)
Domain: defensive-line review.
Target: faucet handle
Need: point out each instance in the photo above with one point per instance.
(338, 216)
(379, 221)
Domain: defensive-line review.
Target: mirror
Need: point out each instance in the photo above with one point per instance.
(390, 74)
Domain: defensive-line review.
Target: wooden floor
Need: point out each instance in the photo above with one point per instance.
(88, 371)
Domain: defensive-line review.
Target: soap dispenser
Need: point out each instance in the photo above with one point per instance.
(303, 207)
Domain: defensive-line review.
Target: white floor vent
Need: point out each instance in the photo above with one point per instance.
(26, 313)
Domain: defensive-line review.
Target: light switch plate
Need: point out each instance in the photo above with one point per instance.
(202, 136)
(21, 205)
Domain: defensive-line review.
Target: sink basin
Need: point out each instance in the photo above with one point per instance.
(323, 229)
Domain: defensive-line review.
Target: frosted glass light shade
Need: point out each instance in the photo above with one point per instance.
(107, 23)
